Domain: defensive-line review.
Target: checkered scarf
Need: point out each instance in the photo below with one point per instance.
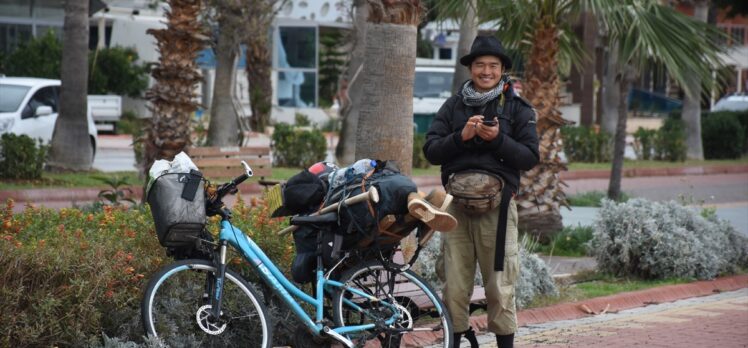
(471, 97)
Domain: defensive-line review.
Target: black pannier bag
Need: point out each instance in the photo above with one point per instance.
(177, 202)
(358, 226)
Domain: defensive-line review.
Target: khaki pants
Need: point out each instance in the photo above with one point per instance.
(474, 240)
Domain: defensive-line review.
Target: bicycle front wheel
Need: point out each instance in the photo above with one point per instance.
(176, 308)
(422, 318)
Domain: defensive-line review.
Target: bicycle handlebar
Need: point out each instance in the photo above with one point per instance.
(372, 194)
(230, 187)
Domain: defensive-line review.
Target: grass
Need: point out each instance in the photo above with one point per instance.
(69, 180)
(592, 199)
(569, 242)
(590, 284)
(655, 164)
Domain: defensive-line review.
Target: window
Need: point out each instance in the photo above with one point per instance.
(12, 97)
(296, 63)
(737, 35)
(432, 84)
(46, 96)
(15, 8)
(445, 53)
(12, 35)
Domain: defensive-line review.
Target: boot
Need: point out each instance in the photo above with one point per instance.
(432, 216)
(469, 335)
(505, 341)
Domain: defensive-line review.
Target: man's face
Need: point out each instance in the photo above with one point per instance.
(485, 71)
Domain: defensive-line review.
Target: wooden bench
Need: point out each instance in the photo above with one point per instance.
(225, 162)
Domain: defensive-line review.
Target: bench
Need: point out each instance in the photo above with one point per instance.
(225, 162)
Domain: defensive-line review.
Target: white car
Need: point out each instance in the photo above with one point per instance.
(29, 106)
(432, 87)
(732, 103)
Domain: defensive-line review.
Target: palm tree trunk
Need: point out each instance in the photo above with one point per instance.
(468, 31)
(71, 145)
(692, 101)
(627, 77)
(223, 130)
(611, 92)
(541, 194)
(385, 126)
(172, 97)
(259, 64)
(345, 152)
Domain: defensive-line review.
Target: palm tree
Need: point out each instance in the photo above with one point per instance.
(692, 103)
(258, 23)
(385, 125)
(643, 31)
(70, 145)
(173, 98)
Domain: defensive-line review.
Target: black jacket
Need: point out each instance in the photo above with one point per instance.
(515, 149)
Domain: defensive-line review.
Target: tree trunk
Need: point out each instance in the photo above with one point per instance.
(345, 152)
(172, 97)
(259, 63)
(468, 32)
(385, 127)
(541, 195)
(71, 145)
(614, 186)
(224, 127)
(692, 102)
(611, 92)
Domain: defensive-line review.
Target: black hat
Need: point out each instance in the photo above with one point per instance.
(302, 193)
(486, 46)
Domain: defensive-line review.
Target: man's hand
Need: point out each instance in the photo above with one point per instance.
(471, 127)
(487, 132)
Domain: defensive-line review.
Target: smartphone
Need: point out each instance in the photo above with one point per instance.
(489, 123)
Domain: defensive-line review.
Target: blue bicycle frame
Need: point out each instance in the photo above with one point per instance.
(287, 290)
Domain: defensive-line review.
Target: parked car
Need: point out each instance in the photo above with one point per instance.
(735, 102)
(432, 87)
(29, 106)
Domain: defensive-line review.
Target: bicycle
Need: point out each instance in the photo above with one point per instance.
(205, 303)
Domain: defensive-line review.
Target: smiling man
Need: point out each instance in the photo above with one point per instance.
(482, 137)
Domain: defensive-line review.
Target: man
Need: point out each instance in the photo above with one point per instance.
(482, 137)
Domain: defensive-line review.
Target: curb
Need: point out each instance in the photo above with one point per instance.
(640, 172)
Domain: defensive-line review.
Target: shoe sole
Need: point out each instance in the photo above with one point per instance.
(436, 219)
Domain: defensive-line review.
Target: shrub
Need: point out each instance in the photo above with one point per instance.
(664, 240)
(571, 241)
(670, 142)
(535, 279)
(39, 57)
(296, 147)
(723, 135)
(419, 158)
(21, 157)
(644, 140)
(70, 276)
(585, 144)
(114, 71)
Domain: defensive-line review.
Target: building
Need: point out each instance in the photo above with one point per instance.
(296, 42)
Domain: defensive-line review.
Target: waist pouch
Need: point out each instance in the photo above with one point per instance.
(475, 191)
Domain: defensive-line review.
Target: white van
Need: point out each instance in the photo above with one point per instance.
(432, 87)
(29, 106)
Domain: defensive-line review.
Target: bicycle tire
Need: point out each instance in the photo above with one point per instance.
(424, 320)
(175, 309)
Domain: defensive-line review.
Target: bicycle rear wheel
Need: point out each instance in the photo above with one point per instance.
(423, 319)
(176, 308)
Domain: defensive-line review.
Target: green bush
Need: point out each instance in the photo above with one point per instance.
(419, 158)
(571, 241)
(585, 144)
(114, 71)
(723, 135)
(111, 70)
(297, 147)
(670, 142)
(644, 140)
(73, 278)
(21, 157)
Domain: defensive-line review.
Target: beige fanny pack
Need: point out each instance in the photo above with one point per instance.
(475, 191)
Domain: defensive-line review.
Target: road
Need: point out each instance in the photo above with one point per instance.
(712, 321)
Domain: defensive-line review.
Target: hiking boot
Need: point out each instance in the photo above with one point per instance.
(432, 216)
